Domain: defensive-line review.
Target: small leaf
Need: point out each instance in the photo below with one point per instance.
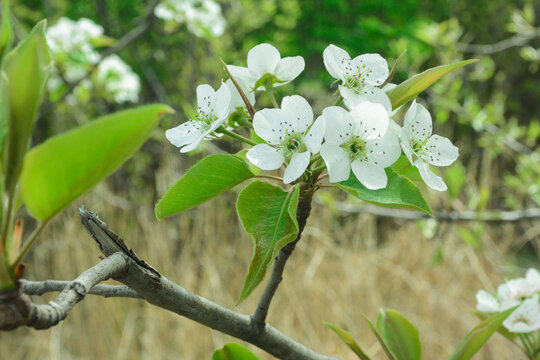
(347, 338)
(399, 192)
(478, 336)
(502, 330)
(381, 341)
(233, 351)
(27, 68)
(268, 213)
(62, 168)
(6, 30)
(209, 177)
(393, 70)
(410, 88)
(399, 334)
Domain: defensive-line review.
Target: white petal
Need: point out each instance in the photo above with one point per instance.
(407, 149)
(371, 176)
(298, 164)
(526, 318)
(205, 98)
(266, 124)
(288, 69)
(334, 57)
(314, 137)
(263, 59)
(370, 94)
(486, 302)
(373, 120)
(222, 102)
(299, 112)
(441, 151)
(184, 134)
(378, 68)
(338, 125)
(337, 162)
(243, 73)
(533, 277)
(236, 99)
(417, 124)
(385, 151)
(265, 157)
(395, 128)
(431, 180)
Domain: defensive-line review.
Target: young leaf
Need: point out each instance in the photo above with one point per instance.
(233, 351)
(399, 334)
(399, 192)
(6, 30)
(410, 88)
(381, 341)
(62, 168)
(478, 336)
(268, 213)
(4, 113)
(502, 330)
(27, 68)
(208, 178)
(347, 338)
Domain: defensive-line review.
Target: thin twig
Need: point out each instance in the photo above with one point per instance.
(42, 287)
(488, 49)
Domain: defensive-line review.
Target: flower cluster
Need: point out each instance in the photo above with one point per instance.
(73, 45)
(523, 292)
(360, 137)
(202, 17)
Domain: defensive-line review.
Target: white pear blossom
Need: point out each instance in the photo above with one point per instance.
(359, 140)
(422, 148)
(213, 110)
(118, 80)
(265, 60)
(526, 318)
(360, 77)
(291, 135)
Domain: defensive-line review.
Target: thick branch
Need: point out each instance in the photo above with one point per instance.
(42, 287)
(16, 308)
(302, 213)
(161, 292)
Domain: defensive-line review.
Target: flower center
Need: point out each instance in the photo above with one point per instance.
(356, 148)
(357, 81)
(292, 144)
(205, 120)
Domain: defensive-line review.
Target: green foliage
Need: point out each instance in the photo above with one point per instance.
(268, 214)
(399, 192)
(208, 178)
(65, 166)
(6, 31)
(410, 88)
(347, 338)
(381, 341)
(399, 334)
(481, 333)
(233, 351)
(27, 68)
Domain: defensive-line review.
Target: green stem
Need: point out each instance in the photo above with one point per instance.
(269, 177)
(236, 136)
(28, 243)
(6, 222)
(270, 92)
(338, 100)
(526, 345)
(319, 169)
(315, 158)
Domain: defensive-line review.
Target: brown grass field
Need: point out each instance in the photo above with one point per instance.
(344, 266)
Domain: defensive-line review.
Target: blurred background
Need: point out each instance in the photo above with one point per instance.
(353, 258)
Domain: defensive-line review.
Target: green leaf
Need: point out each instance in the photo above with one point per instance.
(65, 166)
(478, 336)
(347, 338)
(404, 168)
(268, 213)
(381, 341)
(410, 88)
(233, 351)
(399, 192)
(209, 177)
(6, 30)
(27, 68)
(4, 114)
(502, 330)
(399, 334)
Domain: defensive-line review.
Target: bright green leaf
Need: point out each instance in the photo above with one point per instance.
(381, 341)
(404, 168)
(4, 114)
(478, 336)
(399, 334)
(233, 351)
(399, 192)
(27, 68)
(410, 88)
(209, 177)
(6, 30)
(347, 338)
(268, 213)
(65, 166)
(502, 330)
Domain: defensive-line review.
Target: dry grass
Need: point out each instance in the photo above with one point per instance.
(343, 267)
